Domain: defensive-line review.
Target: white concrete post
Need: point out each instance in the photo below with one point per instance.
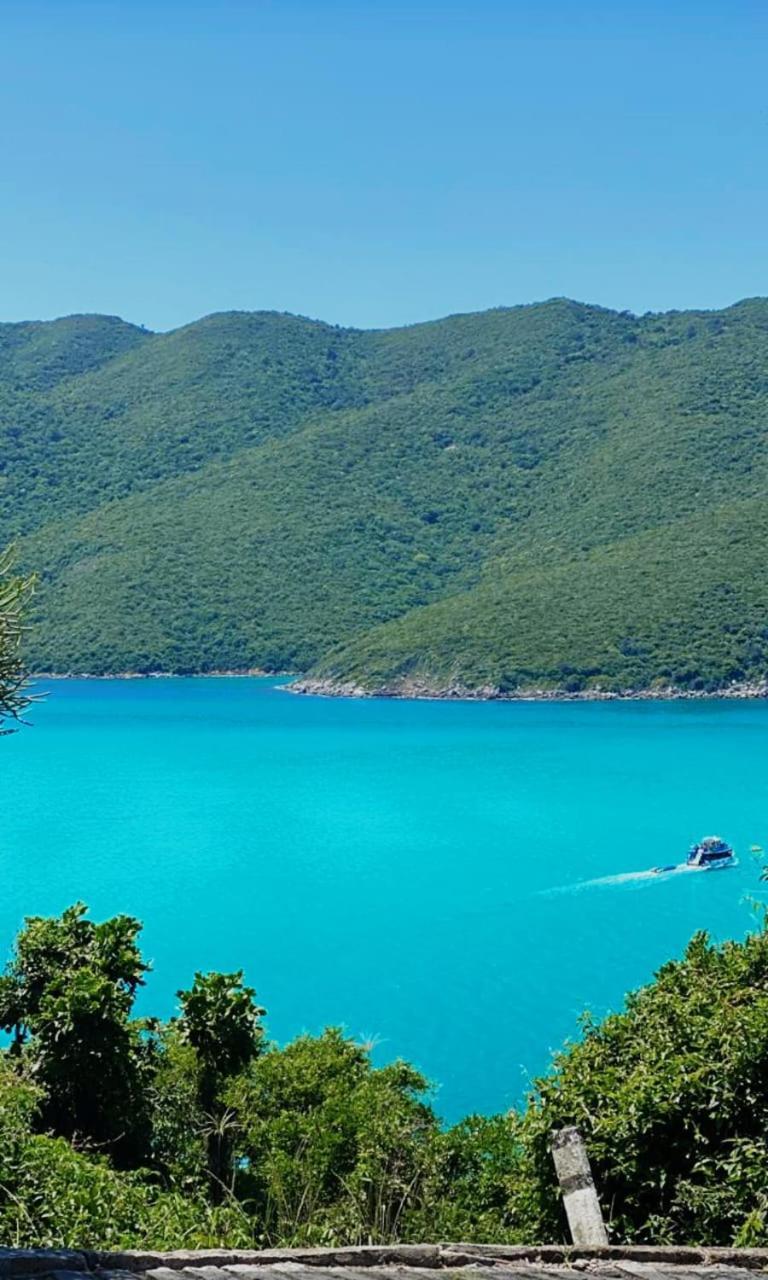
(582, 1207)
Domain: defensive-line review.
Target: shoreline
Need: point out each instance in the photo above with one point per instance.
(424, 691)
(237, 674)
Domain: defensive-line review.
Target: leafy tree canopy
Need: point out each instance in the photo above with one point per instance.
(67, 996)
(121, 1132)
(221, 1023)
(672, 1098)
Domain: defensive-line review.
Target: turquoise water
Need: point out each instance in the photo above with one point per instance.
(413, 871)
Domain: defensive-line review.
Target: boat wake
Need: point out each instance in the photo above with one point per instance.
(625, 877)
(602, 882)
(710, 854)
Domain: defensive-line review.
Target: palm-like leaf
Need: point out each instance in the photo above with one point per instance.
(14, 595)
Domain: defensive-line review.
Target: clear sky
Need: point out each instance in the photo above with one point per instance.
(377, 163)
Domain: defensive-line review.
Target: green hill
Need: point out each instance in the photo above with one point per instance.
(552, 496)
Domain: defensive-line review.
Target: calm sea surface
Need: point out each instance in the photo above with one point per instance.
(417, 872)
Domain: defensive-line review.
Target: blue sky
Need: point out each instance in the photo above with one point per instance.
(379, 163)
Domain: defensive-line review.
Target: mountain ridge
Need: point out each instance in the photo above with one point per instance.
(259, 490)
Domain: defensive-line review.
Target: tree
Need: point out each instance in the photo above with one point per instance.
(66, 996)
(331, 1147)
(672, 1098)
(221, 1022)
(52, 1195)
(14, 595)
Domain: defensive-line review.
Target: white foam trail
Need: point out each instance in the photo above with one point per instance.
(625, 877)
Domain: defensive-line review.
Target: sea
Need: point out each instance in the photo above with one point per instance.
(453, 883)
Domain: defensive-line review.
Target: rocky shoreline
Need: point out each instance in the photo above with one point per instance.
(457, 692)
(421, 689)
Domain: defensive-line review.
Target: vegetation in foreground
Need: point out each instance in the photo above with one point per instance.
(14, 595)
(120, 1131)
(553, 496)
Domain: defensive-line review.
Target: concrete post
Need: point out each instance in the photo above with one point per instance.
(582, 1206)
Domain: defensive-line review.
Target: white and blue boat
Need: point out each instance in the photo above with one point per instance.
(711, 854)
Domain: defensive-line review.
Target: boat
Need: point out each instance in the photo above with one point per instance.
(711, 854)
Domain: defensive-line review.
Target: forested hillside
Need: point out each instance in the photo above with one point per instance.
(545, 496)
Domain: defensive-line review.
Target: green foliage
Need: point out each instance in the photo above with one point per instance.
(50, 1195)
(180, 1129)
(334, 1149)
(475, 1188)
(221, 1022)
(672, 1099)
(14, 596)
(550, 496)
(67, 996)
(316, 1145)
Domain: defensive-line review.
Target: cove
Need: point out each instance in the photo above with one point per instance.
(418, 872)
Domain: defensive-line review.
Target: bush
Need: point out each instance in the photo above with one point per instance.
(315, 1145)
(672, 1098)
(332, 1148)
